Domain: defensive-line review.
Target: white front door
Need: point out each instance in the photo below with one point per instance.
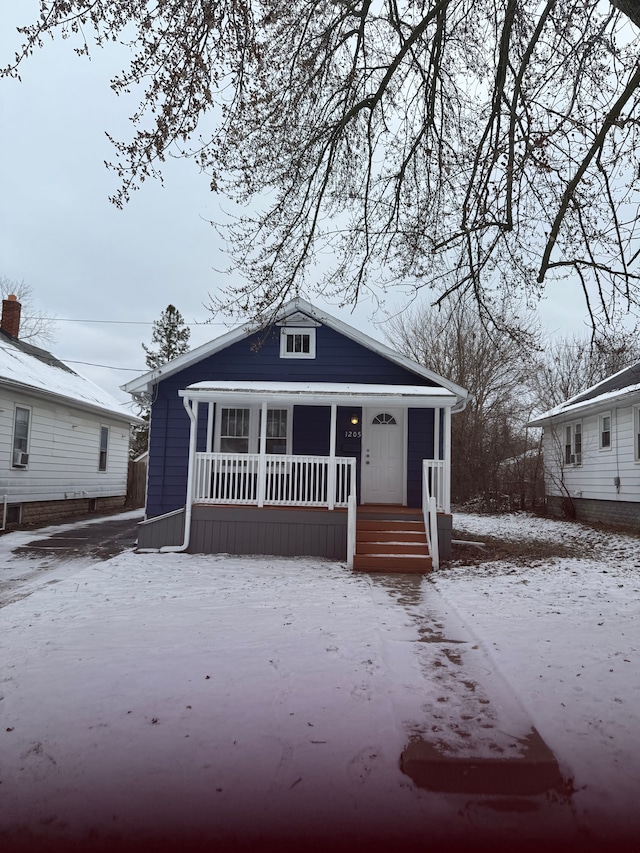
(383, 456)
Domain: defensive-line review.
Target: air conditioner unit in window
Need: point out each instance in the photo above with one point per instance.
(578, 458)
(20, 459)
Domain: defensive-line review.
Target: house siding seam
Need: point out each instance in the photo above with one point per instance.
(257, 357)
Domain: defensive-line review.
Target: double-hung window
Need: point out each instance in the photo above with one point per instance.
(234, 430)
(238, 430)
(276, 430)
(636, 432)
(573, 443)
(21, 426)
(104, 448)
(605, 431)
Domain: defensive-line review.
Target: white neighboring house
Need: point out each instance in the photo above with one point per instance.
(592, 452)
(64, 442)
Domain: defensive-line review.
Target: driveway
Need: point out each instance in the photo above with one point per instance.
(29, 560)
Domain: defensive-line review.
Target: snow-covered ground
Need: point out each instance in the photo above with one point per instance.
(254, 699)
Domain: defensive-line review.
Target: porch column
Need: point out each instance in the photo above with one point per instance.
(447, 460)
(331, 478)
(262, 462)
(211, 412)
(436, 433)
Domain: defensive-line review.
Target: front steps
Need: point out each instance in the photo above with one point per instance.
(391, 539)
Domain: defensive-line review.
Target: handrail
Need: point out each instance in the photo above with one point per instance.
(352, 513)
(437, 477)
(430, 514)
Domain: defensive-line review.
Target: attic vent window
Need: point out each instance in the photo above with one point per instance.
(297, 343)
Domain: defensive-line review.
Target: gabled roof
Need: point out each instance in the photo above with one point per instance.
(143, 385)
(626, 381)
(36, 371)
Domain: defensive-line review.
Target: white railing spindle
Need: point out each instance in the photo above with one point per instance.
(275, 480)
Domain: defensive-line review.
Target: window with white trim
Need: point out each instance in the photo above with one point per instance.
(636, 432)
(238, 430)
(573, 443)
(297, 343)
(605, 431)
(276, 430)
(104, 448)
(234, 430)
(21, 429)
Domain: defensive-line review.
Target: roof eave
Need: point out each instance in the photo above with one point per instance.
(73, 402)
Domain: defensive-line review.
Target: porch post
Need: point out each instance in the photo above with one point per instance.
(211, 411)
(262, 462)
(436, 433)
(447, 460)
(331, 474)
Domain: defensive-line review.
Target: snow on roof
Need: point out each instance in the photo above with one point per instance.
(622, 383)
(326, 391)
(37, 371)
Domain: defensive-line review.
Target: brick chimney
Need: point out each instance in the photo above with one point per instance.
(11, 316)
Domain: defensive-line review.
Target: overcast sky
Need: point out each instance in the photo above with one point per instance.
(86, 260)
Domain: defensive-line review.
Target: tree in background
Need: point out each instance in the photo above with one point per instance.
(489, 439)
(476, 147)
(572, 364)
(35, 327)
(496, 460)
(171, 336)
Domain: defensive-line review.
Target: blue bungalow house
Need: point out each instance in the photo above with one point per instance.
(303, 437)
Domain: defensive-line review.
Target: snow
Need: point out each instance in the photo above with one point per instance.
(245, 699)
(569, 407)
(321, 390)
(26, 371)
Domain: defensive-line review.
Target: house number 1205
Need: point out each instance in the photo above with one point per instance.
(353, 433)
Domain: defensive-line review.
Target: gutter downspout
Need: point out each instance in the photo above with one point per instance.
(193, 431)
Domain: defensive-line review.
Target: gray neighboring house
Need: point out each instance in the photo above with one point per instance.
(64, 442)
(591, 449)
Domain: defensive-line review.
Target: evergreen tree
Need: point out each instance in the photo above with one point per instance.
(171, 336)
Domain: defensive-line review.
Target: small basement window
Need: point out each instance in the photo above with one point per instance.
(14, 514)
(297, 343)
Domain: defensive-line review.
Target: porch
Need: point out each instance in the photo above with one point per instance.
(304, 506)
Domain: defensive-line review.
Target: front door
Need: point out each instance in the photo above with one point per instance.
(383, 456)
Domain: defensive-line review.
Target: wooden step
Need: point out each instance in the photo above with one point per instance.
(391, 536)
(389, 524)
(391, 541)
(391, 563)
(418, 549)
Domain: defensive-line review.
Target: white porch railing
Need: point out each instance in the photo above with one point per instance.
(273, 480)
(435, 472)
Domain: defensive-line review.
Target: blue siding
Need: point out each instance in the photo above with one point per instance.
(338, 359)
(420, 446)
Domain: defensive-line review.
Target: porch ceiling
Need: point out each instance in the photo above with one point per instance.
(321, 394)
